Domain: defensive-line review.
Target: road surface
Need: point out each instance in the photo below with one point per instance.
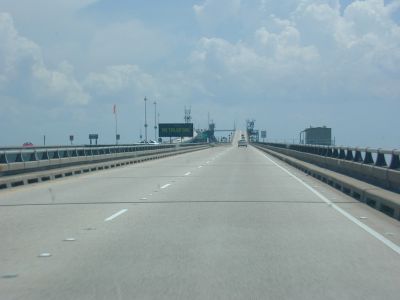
(222, 223)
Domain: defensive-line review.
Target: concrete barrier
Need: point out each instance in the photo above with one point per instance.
(61, 172)
(382, 176)
(27, 160)
(383, 200)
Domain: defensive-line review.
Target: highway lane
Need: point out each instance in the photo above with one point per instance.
(222, 223)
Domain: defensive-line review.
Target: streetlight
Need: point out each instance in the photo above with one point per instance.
(145, 119)
(155, 121)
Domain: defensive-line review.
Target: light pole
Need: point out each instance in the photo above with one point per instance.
(116, 123)
(155, 121)
(145, 119)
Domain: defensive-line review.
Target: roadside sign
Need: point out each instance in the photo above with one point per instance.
(263, 134)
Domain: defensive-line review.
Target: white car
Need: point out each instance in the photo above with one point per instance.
(242, 143)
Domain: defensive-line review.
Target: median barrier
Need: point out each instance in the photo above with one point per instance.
(62, 171)
(21, 160)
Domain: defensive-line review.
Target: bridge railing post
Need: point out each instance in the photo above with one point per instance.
(395, 161)
(349, 154)
(368, 157)
(358, 156)
(380, 160)
(342, 154)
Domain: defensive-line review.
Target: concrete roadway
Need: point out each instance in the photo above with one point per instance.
(222, 223)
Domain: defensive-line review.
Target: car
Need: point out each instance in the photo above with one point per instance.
(242, 143)
(27, 145)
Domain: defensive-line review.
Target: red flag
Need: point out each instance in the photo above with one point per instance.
(114, 109)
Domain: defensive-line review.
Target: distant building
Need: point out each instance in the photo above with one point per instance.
(317, 136)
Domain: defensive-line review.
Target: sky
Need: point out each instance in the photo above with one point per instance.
(287, 64)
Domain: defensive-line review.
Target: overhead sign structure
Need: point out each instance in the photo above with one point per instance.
(175, 130)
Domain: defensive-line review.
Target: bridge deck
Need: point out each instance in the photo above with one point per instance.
(222, 223)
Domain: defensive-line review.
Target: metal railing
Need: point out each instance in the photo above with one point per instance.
(342, 174)
(376, 166)
(376, 157)
(16, 160)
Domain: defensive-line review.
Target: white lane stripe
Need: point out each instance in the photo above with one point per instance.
(200, 167)
(188, 173)
(368, 229)
(165, 185)
(116, 215)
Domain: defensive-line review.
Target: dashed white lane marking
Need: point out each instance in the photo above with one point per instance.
(165, 186)
(116, 215)
(70, 239)
(45, 254)
(188, 173)
(368, 229)
(200, 167)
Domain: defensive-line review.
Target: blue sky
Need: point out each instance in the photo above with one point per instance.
(287, 64)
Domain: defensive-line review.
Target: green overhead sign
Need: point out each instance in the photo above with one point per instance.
(175, 130)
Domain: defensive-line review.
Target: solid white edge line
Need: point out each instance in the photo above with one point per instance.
(116, 215)
(165, 186)
(368, 229)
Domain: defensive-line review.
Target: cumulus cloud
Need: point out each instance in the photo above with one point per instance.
(14, 49)
(21, 60)
(60, 83)
(212, 13)
(356, 52)
(217, 8)
(119, 78)
(132, 40)
(276, 54)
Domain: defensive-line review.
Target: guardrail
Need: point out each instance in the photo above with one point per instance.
(369, 165)
(19, 160)
(369, 156)
(62, 170)
(383, 200)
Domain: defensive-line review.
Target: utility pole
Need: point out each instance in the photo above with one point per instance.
(116, 123)
(155, 121)
(145, 119)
